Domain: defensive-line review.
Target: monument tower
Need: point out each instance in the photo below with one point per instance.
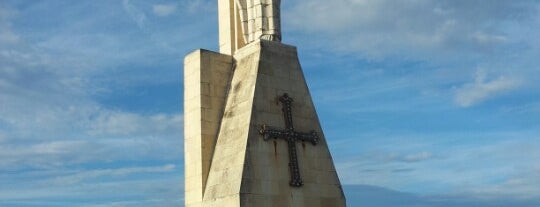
(252, 135)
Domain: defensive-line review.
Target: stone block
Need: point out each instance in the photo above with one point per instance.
(234, 164)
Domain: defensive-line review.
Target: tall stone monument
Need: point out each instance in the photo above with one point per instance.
(252, 135)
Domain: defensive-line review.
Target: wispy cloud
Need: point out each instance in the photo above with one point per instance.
(7, 36)
(446, 39)
(83, 123)
(483, 89)
(436, 29)
(196, 6)
(163, 10)
(488, 169)
(72, 178)
(136, 14)
(484, 38)
(163, 191)
(392, 157)
(416, 157)
(386, 197)
(122, 123)
(58, 143)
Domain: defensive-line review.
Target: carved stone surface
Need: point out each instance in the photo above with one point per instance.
(291, 136)
(260, 19)
(242, 22)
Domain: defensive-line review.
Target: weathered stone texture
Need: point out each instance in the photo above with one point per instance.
(206, 77)
(244, 169)
(244, 21)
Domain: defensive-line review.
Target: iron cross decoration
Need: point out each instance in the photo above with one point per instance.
(291, 136)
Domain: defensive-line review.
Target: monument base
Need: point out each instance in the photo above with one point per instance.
(252, 135)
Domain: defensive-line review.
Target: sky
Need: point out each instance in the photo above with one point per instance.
(423, 102)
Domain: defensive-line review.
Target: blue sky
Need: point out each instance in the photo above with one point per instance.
(423, 103)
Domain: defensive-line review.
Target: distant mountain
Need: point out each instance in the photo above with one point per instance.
(373, 196)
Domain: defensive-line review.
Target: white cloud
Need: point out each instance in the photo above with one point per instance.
(198, 6)
(163, 10)
(435, 29)
(488, 38)
(498, 164)
(73, 178)
(59, 141)
(122, 123)
(164, 191)
(524, 188)
(49, 116)
(79, 139)
(417, 157)
(7, 36)
(482, 89)
(137, 15)
(393, 157)
(523, 109)
(442, 39)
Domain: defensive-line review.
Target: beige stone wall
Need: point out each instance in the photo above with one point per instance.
(224, 181)
(266, 176)
(227, 30)
(206, 80)
(245, 170)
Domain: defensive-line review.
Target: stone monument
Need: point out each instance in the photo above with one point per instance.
(252, 135)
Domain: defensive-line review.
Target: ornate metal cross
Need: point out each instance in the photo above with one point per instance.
(291, 137)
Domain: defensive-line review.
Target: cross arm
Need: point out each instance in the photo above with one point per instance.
(271, 133)
(308, 137)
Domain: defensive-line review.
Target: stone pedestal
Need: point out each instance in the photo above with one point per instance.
(228, 100)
